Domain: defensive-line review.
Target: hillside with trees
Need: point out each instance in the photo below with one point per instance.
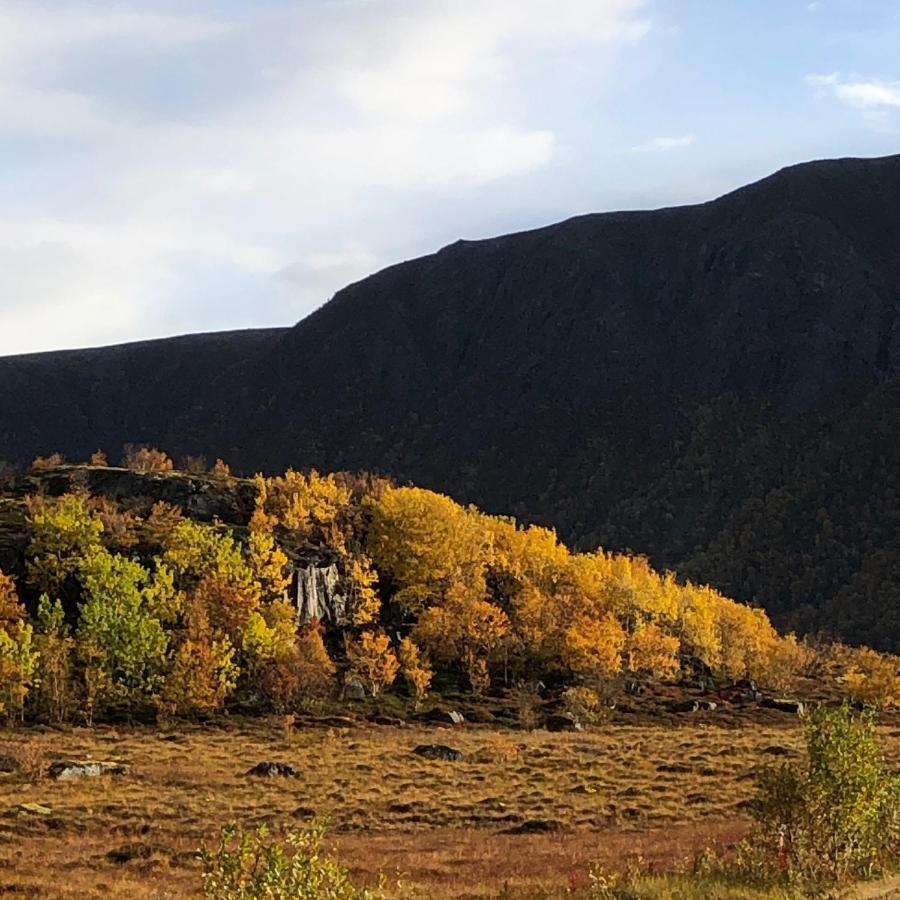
(714, 386)
(116, 601)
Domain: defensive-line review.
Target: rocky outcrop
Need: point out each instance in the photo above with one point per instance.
(319, 592)
(273, 770)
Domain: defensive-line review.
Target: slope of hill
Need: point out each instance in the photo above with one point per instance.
(713, 385)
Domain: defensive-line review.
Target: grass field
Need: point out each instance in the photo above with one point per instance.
(644, 795)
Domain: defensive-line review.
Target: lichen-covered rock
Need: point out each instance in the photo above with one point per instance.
(89, 768)
(784, 705)
(439, 751)
(319, 592)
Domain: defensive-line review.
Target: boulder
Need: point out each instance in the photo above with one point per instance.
(354, 690)
(8, 763)
(89, 768)
(273, 770)
(439, 751)
(693, 706)
(535, 826)
(562, 722)
(783, 705)
(444, 717)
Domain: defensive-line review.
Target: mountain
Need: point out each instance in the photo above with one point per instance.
(714, 385)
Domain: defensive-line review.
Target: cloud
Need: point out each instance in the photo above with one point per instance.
(214, 165)
(666, 143)
(815, 6)
(859, 94)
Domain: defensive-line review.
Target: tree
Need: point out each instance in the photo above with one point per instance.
(18, 660)
(425, 543)
(202, 671)
(63, 533)
(54, 646)
(99, 459)
(415, 669)
(872, 678)
(464, 629)
(45, 463)
(372, 659)
(146, 460)
(594, 646)
(652, 652)
(121, 621)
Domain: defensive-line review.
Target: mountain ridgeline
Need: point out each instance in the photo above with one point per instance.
(715, 386)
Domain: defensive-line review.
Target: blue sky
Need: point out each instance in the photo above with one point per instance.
(169, 167)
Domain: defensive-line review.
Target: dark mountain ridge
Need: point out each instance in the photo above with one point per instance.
(713, 385)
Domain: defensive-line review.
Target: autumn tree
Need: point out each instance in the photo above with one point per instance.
(202, 671)
(650, 651)
(63, 532)
(99, 459)
(415, 669)
(54, 692)
(465, 629)
(146, 460)
(372, 659)
(425, 543)
(45, 463)
(18, 656)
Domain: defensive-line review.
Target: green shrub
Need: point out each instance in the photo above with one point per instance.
(837, 817)
(251, 866)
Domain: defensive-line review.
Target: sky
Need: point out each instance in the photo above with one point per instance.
(171, 167)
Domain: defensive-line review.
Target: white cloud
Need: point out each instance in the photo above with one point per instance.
(815, 6)
(180, 155)
(666, 143)
(861, 94)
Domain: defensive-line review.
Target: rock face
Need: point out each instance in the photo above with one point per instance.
(319, 593)
(70, 771)
(439, 751)
(444, 717)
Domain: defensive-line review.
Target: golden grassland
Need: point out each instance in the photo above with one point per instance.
(641, 795)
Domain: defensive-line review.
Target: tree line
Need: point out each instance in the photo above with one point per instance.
(123, 607)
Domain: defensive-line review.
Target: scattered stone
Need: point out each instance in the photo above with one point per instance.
(8, 763)
(694, 706)
(334, 722)
(444, 717)
(673, 767)
(562, 722)
(777, 750)
(535, 826)
(304, 812)
(273, 770)
(783, 705)
(129, 852)
(354, 690)
(439, 751)
(68, 771)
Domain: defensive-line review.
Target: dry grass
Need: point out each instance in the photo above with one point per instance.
(615, 795)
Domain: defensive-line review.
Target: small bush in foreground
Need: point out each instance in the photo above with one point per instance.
(838, 817)
(251, 866)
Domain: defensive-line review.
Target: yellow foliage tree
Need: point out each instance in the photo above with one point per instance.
(652, 652)
(415, 669)
(373, 661)
(594, 646)
(425, 543)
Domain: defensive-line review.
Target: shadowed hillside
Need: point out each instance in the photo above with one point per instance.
(713, 385)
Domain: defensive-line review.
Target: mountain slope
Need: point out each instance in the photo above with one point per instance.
(712, 385)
